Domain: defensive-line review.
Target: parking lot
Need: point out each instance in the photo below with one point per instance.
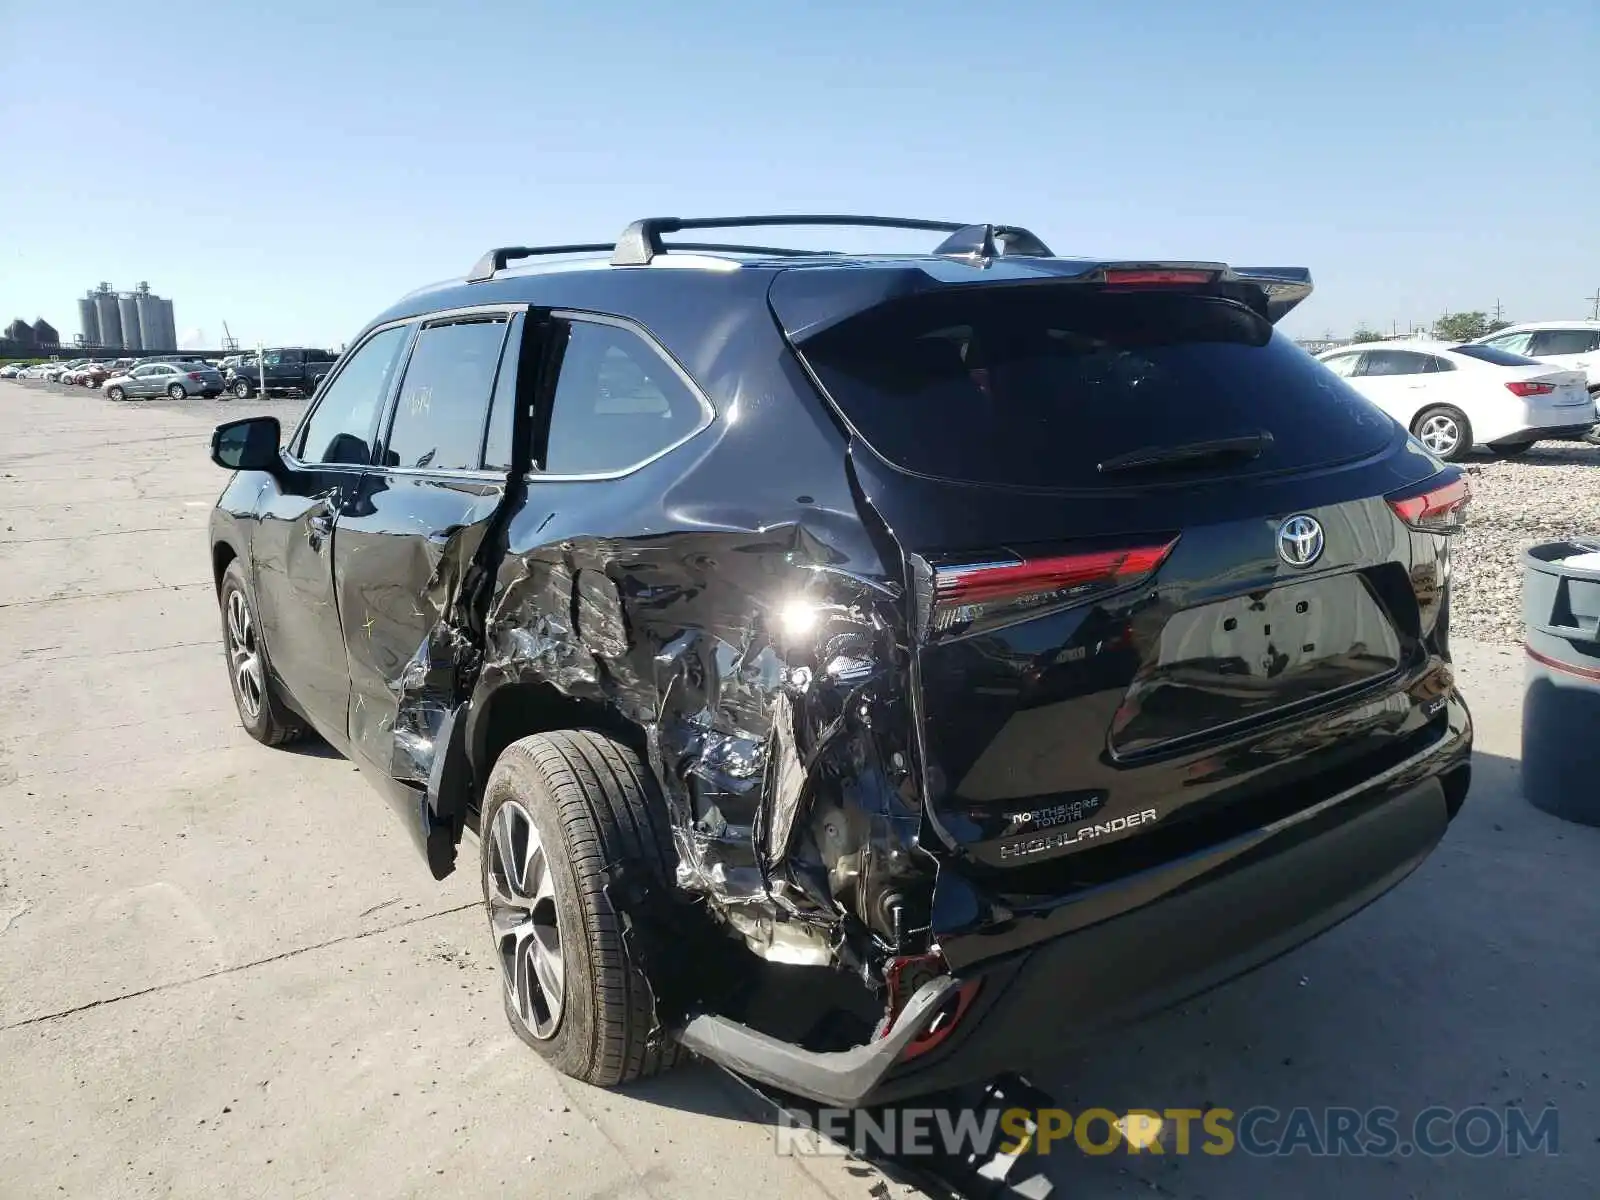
(223, 972)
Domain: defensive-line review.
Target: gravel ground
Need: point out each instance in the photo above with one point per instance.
(1550, 493)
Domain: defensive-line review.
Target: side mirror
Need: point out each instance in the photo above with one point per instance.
(248, 445)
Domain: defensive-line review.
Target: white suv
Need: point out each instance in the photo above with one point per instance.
(1574, 345)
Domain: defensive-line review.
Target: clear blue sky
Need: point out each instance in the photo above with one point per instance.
(292, 167)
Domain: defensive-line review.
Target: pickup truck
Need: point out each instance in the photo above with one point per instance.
(286, 368)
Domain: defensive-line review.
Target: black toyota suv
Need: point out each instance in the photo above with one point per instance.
(864, 670)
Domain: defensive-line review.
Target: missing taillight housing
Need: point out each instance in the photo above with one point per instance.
(1434, 506)
(969, 593)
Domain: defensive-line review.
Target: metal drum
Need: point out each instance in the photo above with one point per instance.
(1561, 711)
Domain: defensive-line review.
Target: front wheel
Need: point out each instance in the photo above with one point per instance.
(1445, 431)
(263, 715)
(115, 393)
(561, 811)
(241, 389)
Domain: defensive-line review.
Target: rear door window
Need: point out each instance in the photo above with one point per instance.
(1394, 362)
(444, 398)
(1548, 343)
(1036, 386)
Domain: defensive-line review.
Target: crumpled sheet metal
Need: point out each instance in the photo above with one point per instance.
(744, 717)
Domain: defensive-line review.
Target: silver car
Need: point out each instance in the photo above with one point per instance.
(177, 380)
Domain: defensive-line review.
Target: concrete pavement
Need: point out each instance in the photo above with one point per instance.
(223, 970)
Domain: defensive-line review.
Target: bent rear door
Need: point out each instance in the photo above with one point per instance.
(1108, 647)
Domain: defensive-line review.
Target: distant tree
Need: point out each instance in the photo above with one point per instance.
(1461, 327)
(1496, 326)
(1363, 334)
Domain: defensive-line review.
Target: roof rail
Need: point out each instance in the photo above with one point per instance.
(641, 241)
(496, 259)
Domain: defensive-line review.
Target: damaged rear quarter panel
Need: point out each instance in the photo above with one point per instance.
(726, 607)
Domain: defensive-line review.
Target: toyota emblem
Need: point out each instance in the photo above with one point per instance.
(1301, 541)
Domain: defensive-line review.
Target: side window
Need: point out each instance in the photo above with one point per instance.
(444, 398)
(340, 427)
(1342, 365)
(1392, 362)
(1549, 342)
(290, 358)
(272, 358)
(1436, 365)
(617, 403)
(503, 409)
(1513, 343)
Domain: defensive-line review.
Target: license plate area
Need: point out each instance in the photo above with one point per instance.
(1247, 657)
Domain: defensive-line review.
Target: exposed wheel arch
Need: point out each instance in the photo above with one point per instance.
(515, 710)
(222, 553)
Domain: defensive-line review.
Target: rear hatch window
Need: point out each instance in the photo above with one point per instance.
(1036, 386)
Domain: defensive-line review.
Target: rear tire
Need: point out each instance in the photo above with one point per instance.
(176, 392)
(560, 808)
(264, 716)
(1445, 431)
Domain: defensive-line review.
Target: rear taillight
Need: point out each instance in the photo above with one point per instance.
(1434, 507)
(195, 375)
(1135, 277)
(1530, 389)
(971, 592)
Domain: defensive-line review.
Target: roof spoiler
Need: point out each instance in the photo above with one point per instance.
(1283, 287)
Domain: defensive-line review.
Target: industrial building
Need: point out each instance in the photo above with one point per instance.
(139, 320)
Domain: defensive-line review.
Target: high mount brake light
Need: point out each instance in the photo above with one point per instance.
(967, 593)
(1436, 508)
(1125, 277)
(1530, 389)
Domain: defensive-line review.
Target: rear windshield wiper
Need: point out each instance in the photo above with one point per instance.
(1190, 454)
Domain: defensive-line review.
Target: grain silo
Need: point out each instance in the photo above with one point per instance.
(132, 337)
(150, 321)
(89, 320)
(169, 324)
(105, 304)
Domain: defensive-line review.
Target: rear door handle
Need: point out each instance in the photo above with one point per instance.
(321, 524)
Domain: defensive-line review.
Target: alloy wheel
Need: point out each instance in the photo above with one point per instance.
(244, 656)
(521, 900)
(1440, 433)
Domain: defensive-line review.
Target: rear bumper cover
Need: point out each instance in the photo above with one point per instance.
(1546, 433)
(1240, 906)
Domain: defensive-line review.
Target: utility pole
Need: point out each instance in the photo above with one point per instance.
(1594, 313)
(1499, 311)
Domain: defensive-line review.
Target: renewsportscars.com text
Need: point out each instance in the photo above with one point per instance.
(1261, 1131)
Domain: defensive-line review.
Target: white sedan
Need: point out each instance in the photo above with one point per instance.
(1571, 345)
(1456, 397)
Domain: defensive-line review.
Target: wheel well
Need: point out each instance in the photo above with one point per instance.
(516, 710)
(221, 555)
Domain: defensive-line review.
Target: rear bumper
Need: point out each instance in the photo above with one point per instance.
(1231, 909)
(1546, 433)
